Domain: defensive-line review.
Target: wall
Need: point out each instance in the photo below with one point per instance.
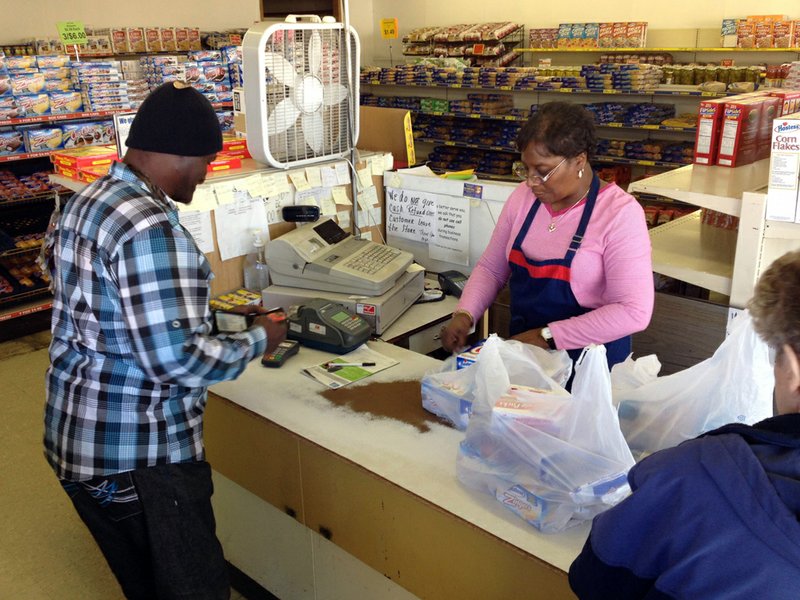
(31, 18)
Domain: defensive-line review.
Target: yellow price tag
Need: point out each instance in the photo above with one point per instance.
(389, 29)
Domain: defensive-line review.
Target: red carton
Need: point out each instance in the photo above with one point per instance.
(86, 156)
(224, 162)
(605, 36)
(790, 100)
(709, 126)
(770, 110)
(739, 138)
(619, 34)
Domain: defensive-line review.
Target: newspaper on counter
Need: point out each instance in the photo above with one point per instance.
(347, 368)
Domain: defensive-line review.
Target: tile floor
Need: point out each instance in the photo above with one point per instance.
(46, 553)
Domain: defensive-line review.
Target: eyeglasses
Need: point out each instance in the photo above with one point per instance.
(522, 172)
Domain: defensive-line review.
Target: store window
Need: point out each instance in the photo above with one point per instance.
(278, 9)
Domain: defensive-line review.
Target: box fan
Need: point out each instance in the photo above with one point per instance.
(301, 90)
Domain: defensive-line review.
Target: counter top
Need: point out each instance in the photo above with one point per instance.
(421, 462)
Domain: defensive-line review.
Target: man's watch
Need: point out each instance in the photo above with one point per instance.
(547, 336)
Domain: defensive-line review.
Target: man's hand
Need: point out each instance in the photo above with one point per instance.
(454, 335)
(275, 324)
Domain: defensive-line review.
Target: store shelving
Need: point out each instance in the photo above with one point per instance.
(24, 309)
(644, 50)
(723, 261)
(715, 188)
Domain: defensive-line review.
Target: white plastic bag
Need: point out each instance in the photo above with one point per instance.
(449, 393)
(553, 458)
(733, 386)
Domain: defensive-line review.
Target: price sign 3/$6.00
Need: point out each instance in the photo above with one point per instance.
(72, 33)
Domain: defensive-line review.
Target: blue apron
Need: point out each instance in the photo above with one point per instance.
(540, 290)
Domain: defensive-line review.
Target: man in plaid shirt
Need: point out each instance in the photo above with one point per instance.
(132, 355)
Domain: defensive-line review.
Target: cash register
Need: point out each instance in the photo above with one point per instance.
(321, 260)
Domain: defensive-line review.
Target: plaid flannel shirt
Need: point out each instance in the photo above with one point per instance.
(131, 355)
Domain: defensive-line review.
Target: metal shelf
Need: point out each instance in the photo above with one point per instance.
(642, 163)
(27, 308)
(712, 187)
(695, 253)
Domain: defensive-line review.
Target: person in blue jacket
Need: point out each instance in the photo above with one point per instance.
(717, 516)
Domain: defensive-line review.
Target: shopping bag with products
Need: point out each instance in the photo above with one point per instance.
(449, 392)
(553, 457)
(733, 386)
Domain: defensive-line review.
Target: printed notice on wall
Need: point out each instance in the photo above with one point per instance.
(451, 243)
(411, 215)
(198, 224)
(235, 223)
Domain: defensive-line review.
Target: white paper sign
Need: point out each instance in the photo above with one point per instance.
(235, 222)
(365, 178)
(451, 243)
(328, 177)
(198, 224)
(343, 217)
(342, 173)
(225, 192)
(309, 196)
(410, 214)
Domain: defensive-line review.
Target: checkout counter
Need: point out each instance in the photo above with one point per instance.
(353, 494)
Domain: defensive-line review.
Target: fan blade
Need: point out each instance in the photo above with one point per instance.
(312, 131)
(280, 68)
(314, 53)
(283, 117)
(333, 93)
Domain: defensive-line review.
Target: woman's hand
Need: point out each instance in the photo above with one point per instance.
(533, 337)
(454, 335)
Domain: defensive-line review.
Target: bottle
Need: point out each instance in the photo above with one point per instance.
(256, 270)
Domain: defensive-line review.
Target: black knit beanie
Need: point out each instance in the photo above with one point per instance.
(176, 119)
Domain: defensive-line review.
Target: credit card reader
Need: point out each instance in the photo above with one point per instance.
(327, 326)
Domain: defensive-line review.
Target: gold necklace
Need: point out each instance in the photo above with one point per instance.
(552, 227)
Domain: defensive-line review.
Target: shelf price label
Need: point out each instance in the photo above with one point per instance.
(389, 29)
(72, 33)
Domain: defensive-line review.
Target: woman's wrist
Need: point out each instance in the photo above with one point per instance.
(461, 311)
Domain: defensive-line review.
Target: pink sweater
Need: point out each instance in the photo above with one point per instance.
(612, 272)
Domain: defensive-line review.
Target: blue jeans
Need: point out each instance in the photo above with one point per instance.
(156, 528)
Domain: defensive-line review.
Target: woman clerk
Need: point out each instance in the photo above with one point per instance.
(574, 250)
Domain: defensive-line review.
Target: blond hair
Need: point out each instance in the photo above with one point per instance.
(775, 306)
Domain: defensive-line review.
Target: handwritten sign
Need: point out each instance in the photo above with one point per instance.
(411, 215)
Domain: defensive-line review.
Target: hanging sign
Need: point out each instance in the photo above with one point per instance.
(389, 29)
(72, 33)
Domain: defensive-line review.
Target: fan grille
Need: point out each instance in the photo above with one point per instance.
(297, 47)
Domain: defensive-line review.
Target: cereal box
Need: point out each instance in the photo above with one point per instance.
(168, 42)
(790, 100)
(605, 36)
(782, 32)
(770, 110)
(182, 38)
(194, 39)
(564, 35)
(152, 39)
(728, 33)
(763, 34)
(636, 34)
(119, 40)
(738, 144)
(591, 33)
(576, 35)
(745, 34)
(784, 169)
(709, 125)
(136, 41)
(619, 35)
